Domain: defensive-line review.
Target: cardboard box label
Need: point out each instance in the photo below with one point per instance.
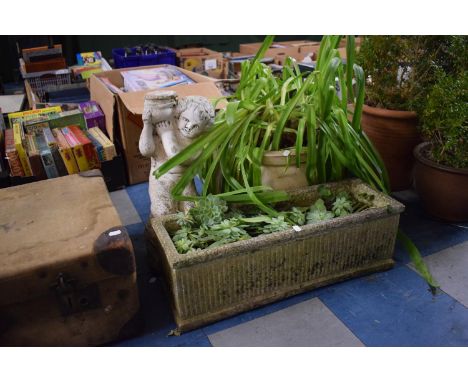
(211, 64)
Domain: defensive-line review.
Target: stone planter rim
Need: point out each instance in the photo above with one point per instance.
(422, 159)
(182, 260)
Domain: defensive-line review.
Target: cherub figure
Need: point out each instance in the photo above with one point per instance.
(169, 125)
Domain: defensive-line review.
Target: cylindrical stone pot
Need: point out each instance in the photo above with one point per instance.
(279, 170)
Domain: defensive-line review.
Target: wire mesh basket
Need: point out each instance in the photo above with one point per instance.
(39, 81)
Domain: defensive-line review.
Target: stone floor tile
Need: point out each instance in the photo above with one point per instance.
(309, 323)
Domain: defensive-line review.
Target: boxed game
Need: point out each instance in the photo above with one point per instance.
(202, 60)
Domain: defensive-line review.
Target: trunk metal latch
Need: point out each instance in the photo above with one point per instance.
(73, 298)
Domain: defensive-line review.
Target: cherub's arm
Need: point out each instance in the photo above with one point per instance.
(169, 139)
(146, 142)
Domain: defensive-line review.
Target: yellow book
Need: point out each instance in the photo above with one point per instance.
(28, 114)
(23, 156)
(108, 146)
(77, 149)
(66, 152)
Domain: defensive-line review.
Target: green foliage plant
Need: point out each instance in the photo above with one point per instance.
(443, 106)
(387, 60)
(295, 110)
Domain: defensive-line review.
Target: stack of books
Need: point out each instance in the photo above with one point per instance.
(153, 78)
(42, 58)
(48, 143)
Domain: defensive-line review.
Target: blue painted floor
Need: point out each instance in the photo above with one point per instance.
(393, 308)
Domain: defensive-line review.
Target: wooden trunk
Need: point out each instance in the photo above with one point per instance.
(67, 266)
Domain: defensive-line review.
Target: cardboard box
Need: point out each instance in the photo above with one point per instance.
(123, 112)
(271, 52)
(312, 51)
(32, 97)
(234, 62)
(202, 60)
(304, 48)
(357, 42)
(296, 49)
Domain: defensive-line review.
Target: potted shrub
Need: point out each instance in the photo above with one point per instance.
(402, 71)
(388, 116)
(441, 171)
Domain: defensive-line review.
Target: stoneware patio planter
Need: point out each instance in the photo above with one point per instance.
(279, 170)
(213, 284)
(443, 190)
(394, 134)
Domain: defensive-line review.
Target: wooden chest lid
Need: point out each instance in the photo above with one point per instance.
(53, 222)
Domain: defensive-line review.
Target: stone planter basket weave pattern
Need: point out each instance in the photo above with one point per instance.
(212, 284)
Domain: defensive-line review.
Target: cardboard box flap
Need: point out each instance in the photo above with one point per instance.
(134, 101)
(299, 43)
(197, 52)
(116, 78)
(106, 100)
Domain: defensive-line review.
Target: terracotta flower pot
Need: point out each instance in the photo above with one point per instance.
(394, 134)
(443, 190)
(279, 171)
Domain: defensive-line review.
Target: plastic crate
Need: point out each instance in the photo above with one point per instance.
(163, 56)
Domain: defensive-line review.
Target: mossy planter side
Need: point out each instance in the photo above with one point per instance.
(279, 170)
(213, 284)
(443, 190)
(394, 134)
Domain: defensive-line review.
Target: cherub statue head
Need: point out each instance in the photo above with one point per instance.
(194, 115)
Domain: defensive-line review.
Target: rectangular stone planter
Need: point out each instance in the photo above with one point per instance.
(212, 284)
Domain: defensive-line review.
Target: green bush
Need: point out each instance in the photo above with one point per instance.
(386, 61)
(426, 74)
(445, 121)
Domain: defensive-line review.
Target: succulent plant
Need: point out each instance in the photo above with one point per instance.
(208, 211)
(318, 212)
(210, 224)
(229, 229)
(276, 225)
(183, 220)
(342, 206)
(183, 245)
(297, 216)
